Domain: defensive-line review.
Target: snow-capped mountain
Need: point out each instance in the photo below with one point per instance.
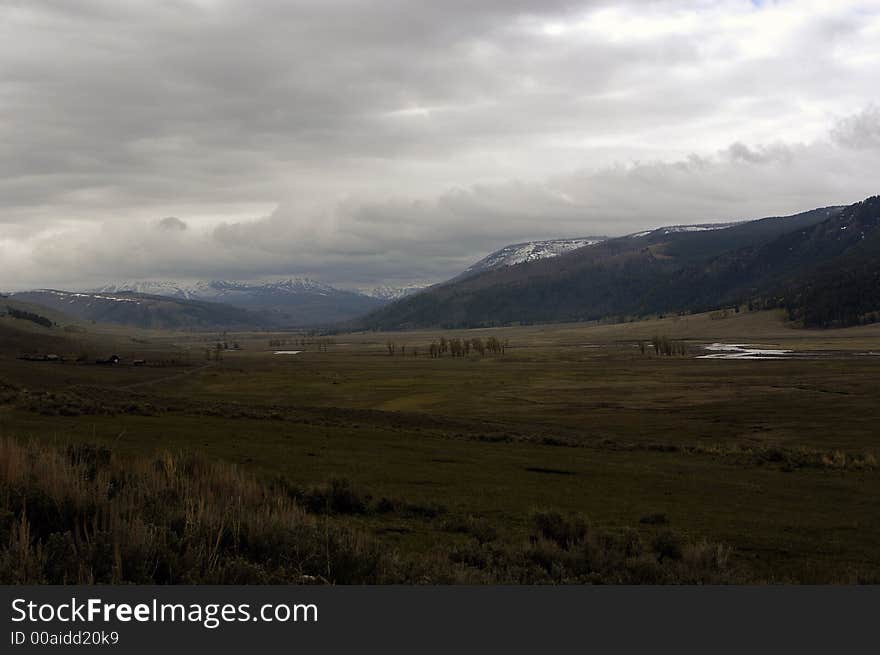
(827, 254)
(214, 289)
(149, 287)
(529, 251)
(390, 294)
(293, 301)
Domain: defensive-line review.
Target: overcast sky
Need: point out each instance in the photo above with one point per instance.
(368, 142)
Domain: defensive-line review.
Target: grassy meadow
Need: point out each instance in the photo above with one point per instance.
(470, 468)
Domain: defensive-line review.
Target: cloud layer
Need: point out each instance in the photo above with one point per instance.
(364, 142)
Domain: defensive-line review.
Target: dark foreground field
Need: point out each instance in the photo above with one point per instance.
(571, 457)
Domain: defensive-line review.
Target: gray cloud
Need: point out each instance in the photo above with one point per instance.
(171, 223)
(861, 130)
(363, 142)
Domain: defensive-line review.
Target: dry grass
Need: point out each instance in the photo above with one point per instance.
(81, 515)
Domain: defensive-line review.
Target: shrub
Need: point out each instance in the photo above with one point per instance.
(84, 516)
(564, 532)
(337, 497)
(667, 545)
(654, 519)
(478, 528)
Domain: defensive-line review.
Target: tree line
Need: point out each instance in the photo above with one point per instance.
(321, 344)
(663, 346)
(455, 347)
(29, 316)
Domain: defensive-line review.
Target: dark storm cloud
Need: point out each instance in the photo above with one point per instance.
(363, 142)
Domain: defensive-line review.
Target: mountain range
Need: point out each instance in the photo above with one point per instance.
(291, 302)
(231, 304)
(823, 266)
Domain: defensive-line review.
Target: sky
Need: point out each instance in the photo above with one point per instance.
(395, 142)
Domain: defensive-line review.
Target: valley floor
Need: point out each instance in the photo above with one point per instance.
(774, 458)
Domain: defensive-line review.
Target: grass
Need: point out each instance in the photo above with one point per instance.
(82, 515)
(774, 459)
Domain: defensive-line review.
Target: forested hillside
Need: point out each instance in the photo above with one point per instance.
(821, 265)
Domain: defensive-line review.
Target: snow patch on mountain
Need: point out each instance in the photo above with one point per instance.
(392, 293)
(674, 229)
(72, 296)
(530, 251)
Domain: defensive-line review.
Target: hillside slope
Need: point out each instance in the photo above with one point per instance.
(679, 268)
(844, 287)
(25, 327)
(143, 311)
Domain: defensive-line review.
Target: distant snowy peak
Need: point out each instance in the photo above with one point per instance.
(149, 287)
(390, 293)
(238, 292)
(530, 251)
(291, 286)
(290, 301)
(216, 289)
(299, 284)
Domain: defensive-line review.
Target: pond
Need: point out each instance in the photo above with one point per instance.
(744, 351)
